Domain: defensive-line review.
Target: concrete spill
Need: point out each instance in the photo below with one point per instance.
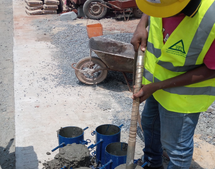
(123, 166)
(72, 155)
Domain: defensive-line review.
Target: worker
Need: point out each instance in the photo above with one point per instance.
(179, 75)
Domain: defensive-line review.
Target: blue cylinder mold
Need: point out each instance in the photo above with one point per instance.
(69, 135)
(115, 154)
(105, 134)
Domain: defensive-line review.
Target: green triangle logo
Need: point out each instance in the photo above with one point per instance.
(178, 46)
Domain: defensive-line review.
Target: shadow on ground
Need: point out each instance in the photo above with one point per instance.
(114, 81)
(7, 158)
(26, 158)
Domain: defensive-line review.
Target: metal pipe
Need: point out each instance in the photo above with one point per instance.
(135, 111)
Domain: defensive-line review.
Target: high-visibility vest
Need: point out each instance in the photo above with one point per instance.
(184, 50)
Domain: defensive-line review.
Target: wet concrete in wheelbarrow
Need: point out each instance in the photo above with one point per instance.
(72, 155)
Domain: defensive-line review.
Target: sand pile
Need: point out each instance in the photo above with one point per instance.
(72, 155)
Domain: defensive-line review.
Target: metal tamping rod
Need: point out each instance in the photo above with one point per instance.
(135, 110)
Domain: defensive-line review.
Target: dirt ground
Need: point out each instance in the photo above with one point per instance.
(204, 153)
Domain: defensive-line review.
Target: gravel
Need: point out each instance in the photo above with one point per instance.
(72, 45)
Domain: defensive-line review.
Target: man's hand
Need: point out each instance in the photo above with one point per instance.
(141, 34)
(193, 76)
(145, 92)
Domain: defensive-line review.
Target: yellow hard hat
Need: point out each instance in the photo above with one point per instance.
(161, 8)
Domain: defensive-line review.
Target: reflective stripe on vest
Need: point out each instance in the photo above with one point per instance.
(183, 51)
(184, 90)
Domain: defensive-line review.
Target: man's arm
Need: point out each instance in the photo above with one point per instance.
(141, 34)
(196, 75)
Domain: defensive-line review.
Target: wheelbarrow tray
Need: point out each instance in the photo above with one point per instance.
(118, 56)
(123, 4)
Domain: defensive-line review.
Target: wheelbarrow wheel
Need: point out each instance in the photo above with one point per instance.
(91, 70)
(94, 9)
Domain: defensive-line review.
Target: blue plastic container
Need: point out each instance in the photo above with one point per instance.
(115, 155)
(69, 135)
(105, 134)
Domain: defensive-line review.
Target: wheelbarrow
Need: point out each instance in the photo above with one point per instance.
(112, 55)
(97, 9)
